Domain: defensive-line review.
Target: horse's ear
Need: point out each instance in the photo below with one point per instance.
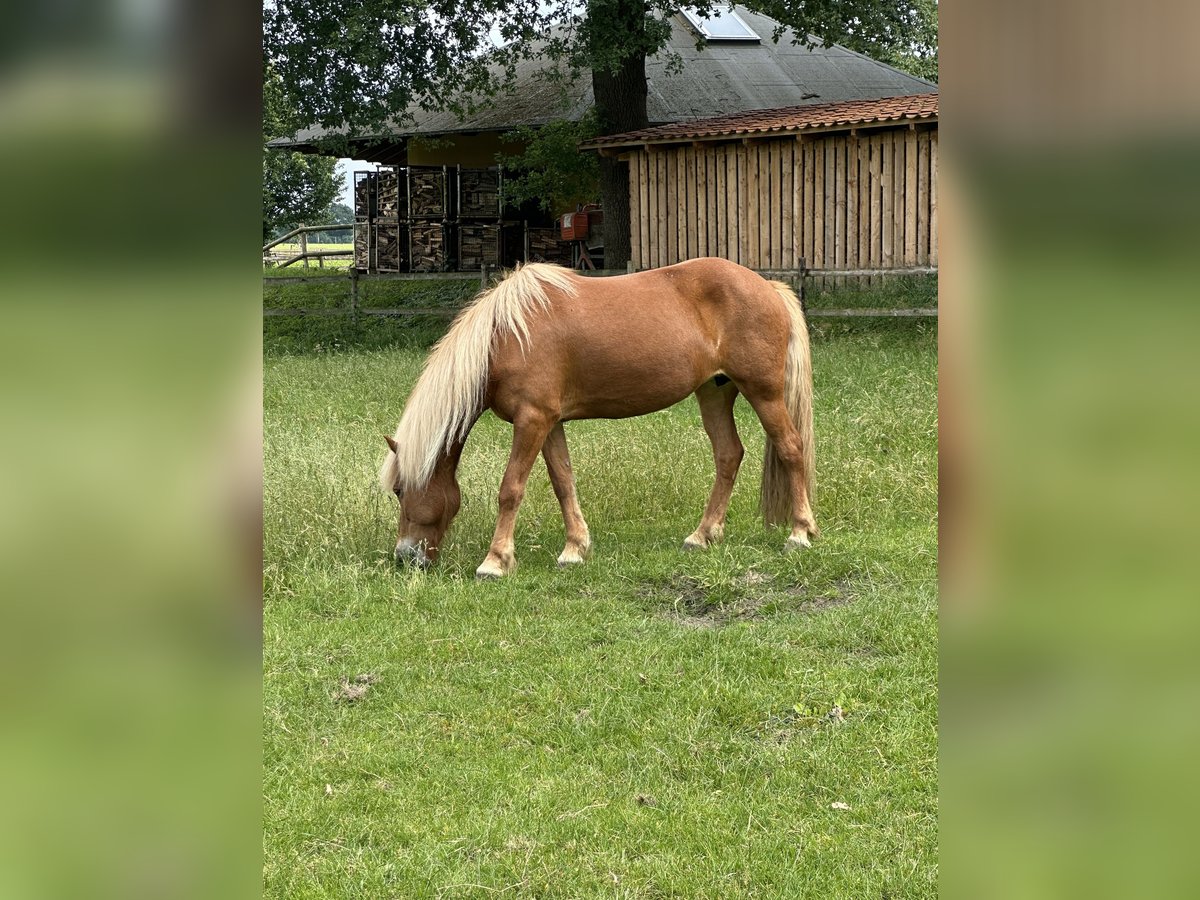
(391, 442)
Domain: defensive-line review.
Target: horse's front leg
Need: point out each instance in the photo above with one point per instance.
(716, 409)
(529, 433)
(558, 464)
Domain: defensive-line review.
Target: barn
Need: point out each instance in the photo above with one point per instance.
(439, 204)
(832, 186)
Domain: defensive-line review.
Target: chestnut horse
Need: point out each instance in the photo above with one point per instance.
(545, 346)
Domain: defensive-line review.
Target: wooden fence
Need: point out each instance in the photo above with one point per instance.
(839, 201)
(353, 308)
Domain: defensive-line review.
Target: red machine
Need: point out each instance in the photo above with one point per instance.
(583, 229)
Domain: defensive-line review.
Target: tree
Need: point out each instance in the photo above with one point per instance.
(359, 69)
(296, 187)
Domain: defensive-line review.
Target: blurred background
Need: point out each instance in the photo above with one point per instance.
(129, 486)
(1068, 389)
(129, 467)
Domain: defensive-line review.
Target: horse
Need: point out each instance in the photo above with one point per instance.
(546, 346)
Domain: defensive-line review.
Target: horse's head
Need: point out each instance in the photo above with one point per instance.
(425, 515)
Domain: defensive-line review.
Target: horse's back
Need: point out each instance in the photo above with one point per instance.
(632, 344)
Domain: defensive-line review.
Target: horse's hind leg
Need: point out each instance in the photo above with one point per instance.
(558, 464)
(716, 409)
(529, 433)
(781, 431)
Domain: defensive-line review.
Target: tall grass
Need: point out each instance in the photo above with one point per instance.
(651, 724)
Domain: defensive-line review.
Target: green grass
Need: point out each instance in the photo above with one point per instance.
(650, 724)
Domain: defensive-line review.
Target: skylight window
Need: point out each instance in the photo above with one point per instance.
(722, 25)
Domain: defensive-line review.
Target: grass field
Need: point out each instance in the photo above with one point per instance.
(651, 724)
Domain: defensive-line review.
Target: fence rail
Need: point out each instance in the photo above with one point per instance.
(484, 276)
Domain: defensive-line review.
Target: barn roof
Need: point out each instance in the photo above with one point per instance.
(785, 120)
(717, 79)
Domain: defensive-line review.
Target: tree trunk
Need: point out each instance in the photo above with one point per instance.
(620, 106)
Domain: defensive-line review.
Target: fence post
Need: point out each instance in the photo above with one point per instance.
(483, 276)
(304, 245)
(354, 293)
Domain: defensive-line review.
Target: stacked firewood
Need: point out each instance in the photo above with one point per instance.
(428, 247)
(389, 194)
(427, 191)
(362, 244)
(390, 248)
(479, 245)
(479, 190)
(363, 183)
(545, 246)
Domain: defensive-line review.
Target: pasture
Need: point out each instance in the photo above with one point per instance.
(650, 724)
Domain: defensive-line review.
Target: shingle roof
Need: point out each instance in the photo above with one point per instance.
(782, 119)
(717, 79)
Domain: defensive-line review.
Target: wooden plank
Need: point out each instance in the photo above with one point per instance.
(721, 241)
(652, 207)
(690, 218)
(933, 210)
(830, 200)
(787, 194)
(777, 196)
(680, 207)
(665, 199)
(851, 259)
(689, 204)
(748, 156)
(739, 211)
(839, 200)
(923, 198)
(672, 207)
(898, 202)
(888, 192)
(647, 214)
(732, 210)
(810, 202)
(876, 237)
(864, 202)
(910, 197)
(635, 212)
(819, 169)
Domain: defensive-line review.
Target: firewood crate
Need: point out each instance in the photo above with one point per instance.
(391, 194)
(364, 195)
(429, 244)
(544, 245)
(391, 247)
(478, 245)
(428, 192)
(479, 192)
(363, 243)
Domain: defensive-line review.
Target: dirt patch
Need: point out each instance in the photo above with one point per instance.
(693, 603)
(837, 594)
(782, 727)
(351, 690)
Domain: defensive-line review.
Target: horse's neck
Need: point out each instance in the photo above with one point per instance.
(447, 464)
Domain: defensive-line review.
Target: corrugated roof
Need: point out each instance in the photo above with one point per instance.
(718, 79)
(782, 119)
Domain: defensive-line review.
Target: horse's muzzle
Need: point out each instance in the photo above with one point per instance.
(408, 553)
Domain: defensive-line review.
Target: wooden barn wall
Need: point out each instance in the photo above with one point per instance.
(837, 201)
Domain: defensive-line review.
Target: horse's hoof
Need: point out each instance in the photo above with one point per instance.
(797, 542)
(690, 545)
(570, 558)
(487, 573)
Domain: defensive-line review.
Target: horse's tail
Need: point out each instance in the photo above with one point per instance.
(776, 497)
(448, 397)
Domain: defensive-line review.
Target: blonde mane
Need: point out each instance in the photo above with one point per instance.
(448, 396)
